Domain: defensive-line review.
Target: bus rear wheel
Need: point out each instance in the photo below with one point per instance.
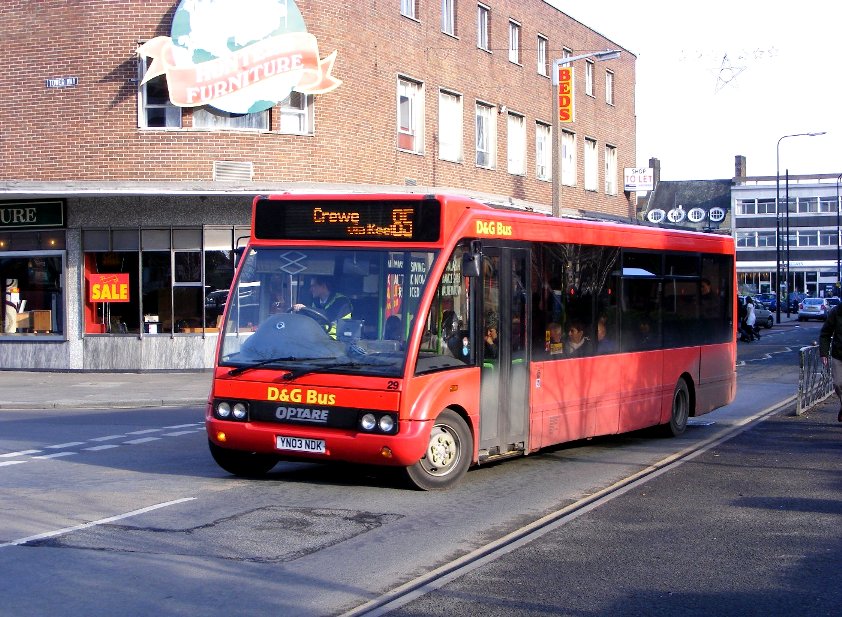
(680, 410)
(447, 457)
(242, 464)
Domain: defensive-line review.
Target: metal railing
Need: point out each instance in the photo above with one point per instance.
(814, 381)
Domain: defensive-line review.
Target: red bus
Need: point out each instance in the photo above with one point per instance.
(433, 333)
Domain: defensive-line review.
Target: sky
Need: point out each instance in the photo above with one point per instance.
(721, 78)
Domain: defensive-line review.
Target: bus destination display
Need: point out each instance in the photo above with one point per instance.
(321, 219)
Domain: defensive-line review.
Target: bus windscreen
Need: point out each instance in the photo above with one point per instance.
(346, 219)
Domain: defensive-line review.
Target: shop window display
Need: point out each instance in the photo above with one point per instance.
(33, 297)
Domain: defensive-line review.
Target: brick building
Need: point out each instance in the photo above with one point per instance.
(102, 173)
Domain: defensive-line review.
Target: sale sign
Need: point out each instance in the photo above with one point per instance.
(565, 93)
(108, 287)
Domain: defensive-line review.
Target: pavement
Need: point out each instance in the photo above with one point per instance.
(75, 389)
(81, 389)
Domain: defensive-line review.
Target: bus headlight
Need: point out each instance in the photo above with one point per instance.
(368, 422)
(387, 423)
(223, 409)
(240, 411)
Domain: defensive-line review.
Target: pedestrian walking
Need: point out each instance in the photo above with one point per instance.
(830, 349)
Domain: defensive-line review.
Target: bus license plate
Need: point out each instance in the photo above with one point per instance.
(300, 444)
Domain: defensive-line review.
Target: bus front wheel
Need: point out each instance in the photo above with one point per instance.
(242, 464)
(680, 410)
(447, 457)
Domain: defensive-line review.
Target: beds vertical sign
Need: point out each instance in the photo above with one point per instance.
(565, 93)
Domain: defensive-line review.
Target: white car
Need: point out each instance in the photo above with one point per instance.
(813, 308)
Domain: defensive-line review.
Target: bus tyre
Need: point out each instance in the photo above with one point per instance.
(447, 457)
(242, 464)
(680, 410)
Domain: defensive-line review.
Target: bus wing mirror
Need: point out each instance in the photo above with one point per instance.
(470, 261)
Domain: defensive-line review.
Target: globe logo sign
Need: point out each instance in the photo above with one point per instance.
(238, 57)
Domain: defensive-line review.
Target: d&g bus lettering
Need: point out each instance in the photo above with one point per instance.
(300, 395)
(493, 228)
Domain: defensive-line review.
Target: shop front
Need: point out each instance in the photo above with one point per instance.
(119, 282)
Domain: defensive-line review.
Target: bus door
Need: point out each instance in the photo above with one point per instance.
(504, 407)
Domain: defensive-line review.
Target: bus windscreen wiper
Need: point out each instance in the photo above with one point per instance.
(328, 368)
(242, 369)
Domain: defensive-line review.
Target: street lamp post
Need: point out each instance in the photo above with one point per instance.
(778, 219)
(838, 285)
(598, 56)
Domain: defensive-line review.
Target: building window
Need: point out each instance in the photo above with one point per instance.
(589, 77)
(766, 206)
(568, 158)
(827, 204)
(543, 151)
(543, 56)
(808, 237)
(828, 238)
(807, 205)
(514, 42)
(154, 107)
(178, 278)
(516, 144)
(216, 120)
(765, 238)
(610, 170)
(410, 116)
(32, 280)
(408, 8)
(448, 17)
(746, 239)
(450, 126)
(609, 87)
(297, 114)
(591, 165)
(486, 136)
(483, 27)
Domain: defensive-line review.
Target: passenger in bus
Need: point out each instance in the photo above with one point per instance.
(328, 306)
(555, 343)
(277, 300)
(392, 329)
(492, 348)
(604, 344)
(708, 302)
(578, 344)
(645, 337)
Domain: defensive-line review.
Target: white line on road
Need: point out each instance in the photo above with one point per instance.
(69, 444)
(7, 463)
(145, 431)
(56, 455)
(192, 424)
(19, 453)
(102, 521)
(107, 446)
(142, 440)
(179, 433)
(107, 438)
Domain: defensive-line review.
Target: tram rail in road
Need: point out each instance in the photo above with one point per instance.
(448, 572)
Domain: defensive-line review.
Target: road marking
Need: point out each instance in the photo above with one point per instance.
(19, 453)
(102, 521)
(193, 424)
(179, 433)
(105, 447)
(142, 440)
(107, 438)
(69, 444)
(56, 455)
(144, 432)
(7, 463)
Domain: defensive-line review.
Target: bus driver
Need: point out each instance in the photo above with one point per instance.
(328, 306)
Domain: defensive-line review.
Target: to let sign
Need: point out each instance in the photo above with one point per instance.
(108, 287)
(565, 93)
(638, 179)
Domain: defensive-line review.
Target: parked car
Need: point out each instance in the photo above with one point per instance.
(769, 300)
(763, 316)
(813, 308)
